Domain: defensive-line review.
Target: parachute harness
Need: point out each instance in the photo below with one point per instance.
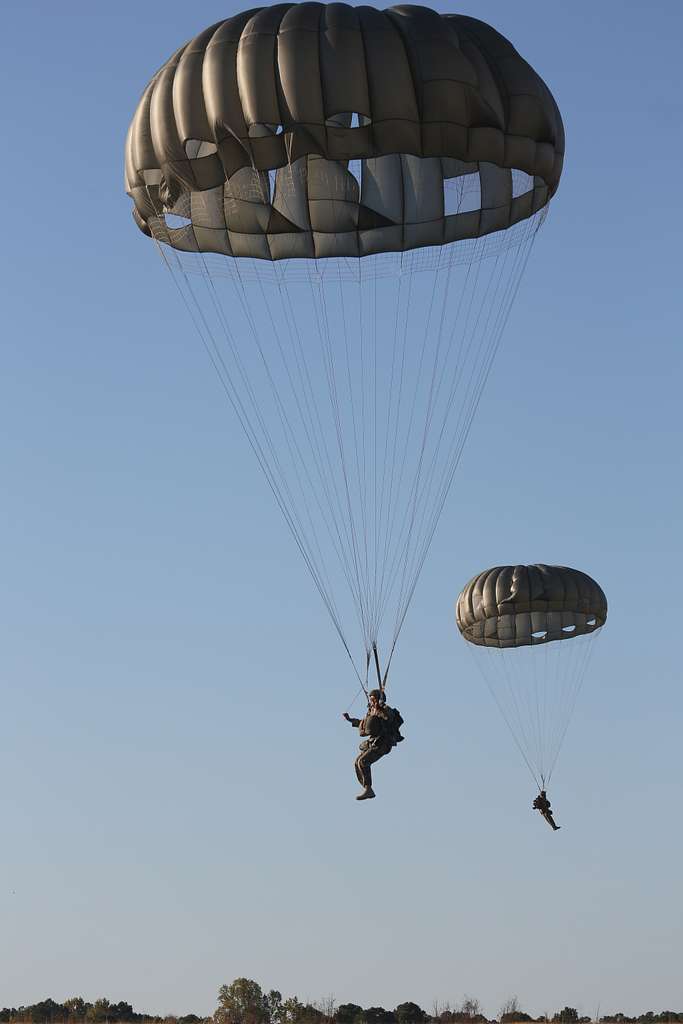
(381, 679)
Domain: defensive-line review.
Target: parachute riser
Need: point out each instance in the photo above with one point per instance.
(380, 681)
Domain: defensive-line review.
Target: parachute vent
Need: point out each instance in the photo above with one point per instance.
(355, 168)
(521, 183)
(262, 130)
(174, 221)
(348, 119)
(461, 194)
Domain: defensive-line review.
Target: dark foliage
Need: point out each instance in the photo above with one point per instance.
(243, 1002)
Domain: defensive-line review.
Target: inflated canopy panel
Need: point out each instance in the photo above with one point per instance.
(522, 605)
(250, 134)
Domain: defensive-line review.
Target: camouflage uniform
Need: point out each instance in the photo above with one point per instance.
(542, 804)
(377, 745)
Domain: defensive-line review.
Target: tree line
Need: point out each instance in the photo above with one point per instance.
(245, 1002)
(78, 1011)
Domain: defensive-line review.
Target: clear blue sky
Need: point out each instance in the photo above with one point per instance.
(177, 795)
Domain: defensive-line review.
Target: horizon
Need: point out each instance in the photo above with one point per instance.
(321, 1010)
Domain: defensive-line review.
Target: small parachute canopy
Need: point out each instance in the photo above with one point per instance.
(523, 605)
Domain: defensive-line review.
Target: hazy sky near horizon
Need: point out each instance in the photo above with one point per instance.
(177, 788)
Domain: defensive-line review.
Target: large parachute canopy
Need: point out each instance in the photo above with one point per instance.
(534, 624)
(346, 199)
(422, 99)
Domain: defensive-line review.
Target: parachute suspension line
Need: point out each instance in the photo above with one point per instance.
(326, 514)
(399, 540)
(317, 432)
(359, 551)
(532, 707)
(368, 389)
(363, 685)
(207, 338)
(303, 461)
(402, 549)
(387, 430)
(437, 373)
(555, 668)
(359, 423)
(376, 622)
(362, 578)
(465, 291)
(402, 543)
(327, 352)
(363, 450)
(219, 365)
(466, 420)
(288, 432)
(380, 681)
(495, 325)
(295, 447)
(527, 685)
(568, 658)
(463, 424)
(561, 658)
(466, 341)
(502, 304)
(534, 711)
(519, 687)
(504, 715)
(517, 699)
(365, 354)
(314, 432)
(428, 418)
(585, 658)
(520, 718)
(373, 397)
(394, 433)
(540, 691)
(409, 517)
(291, 510)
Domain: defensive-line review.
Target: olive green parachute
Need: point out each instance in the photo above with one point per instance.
(518, 605)
(346, 199)
(247, 131)
(533, 625)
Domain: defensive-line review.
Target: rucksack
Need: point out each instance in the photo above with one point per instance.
(394, 722)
